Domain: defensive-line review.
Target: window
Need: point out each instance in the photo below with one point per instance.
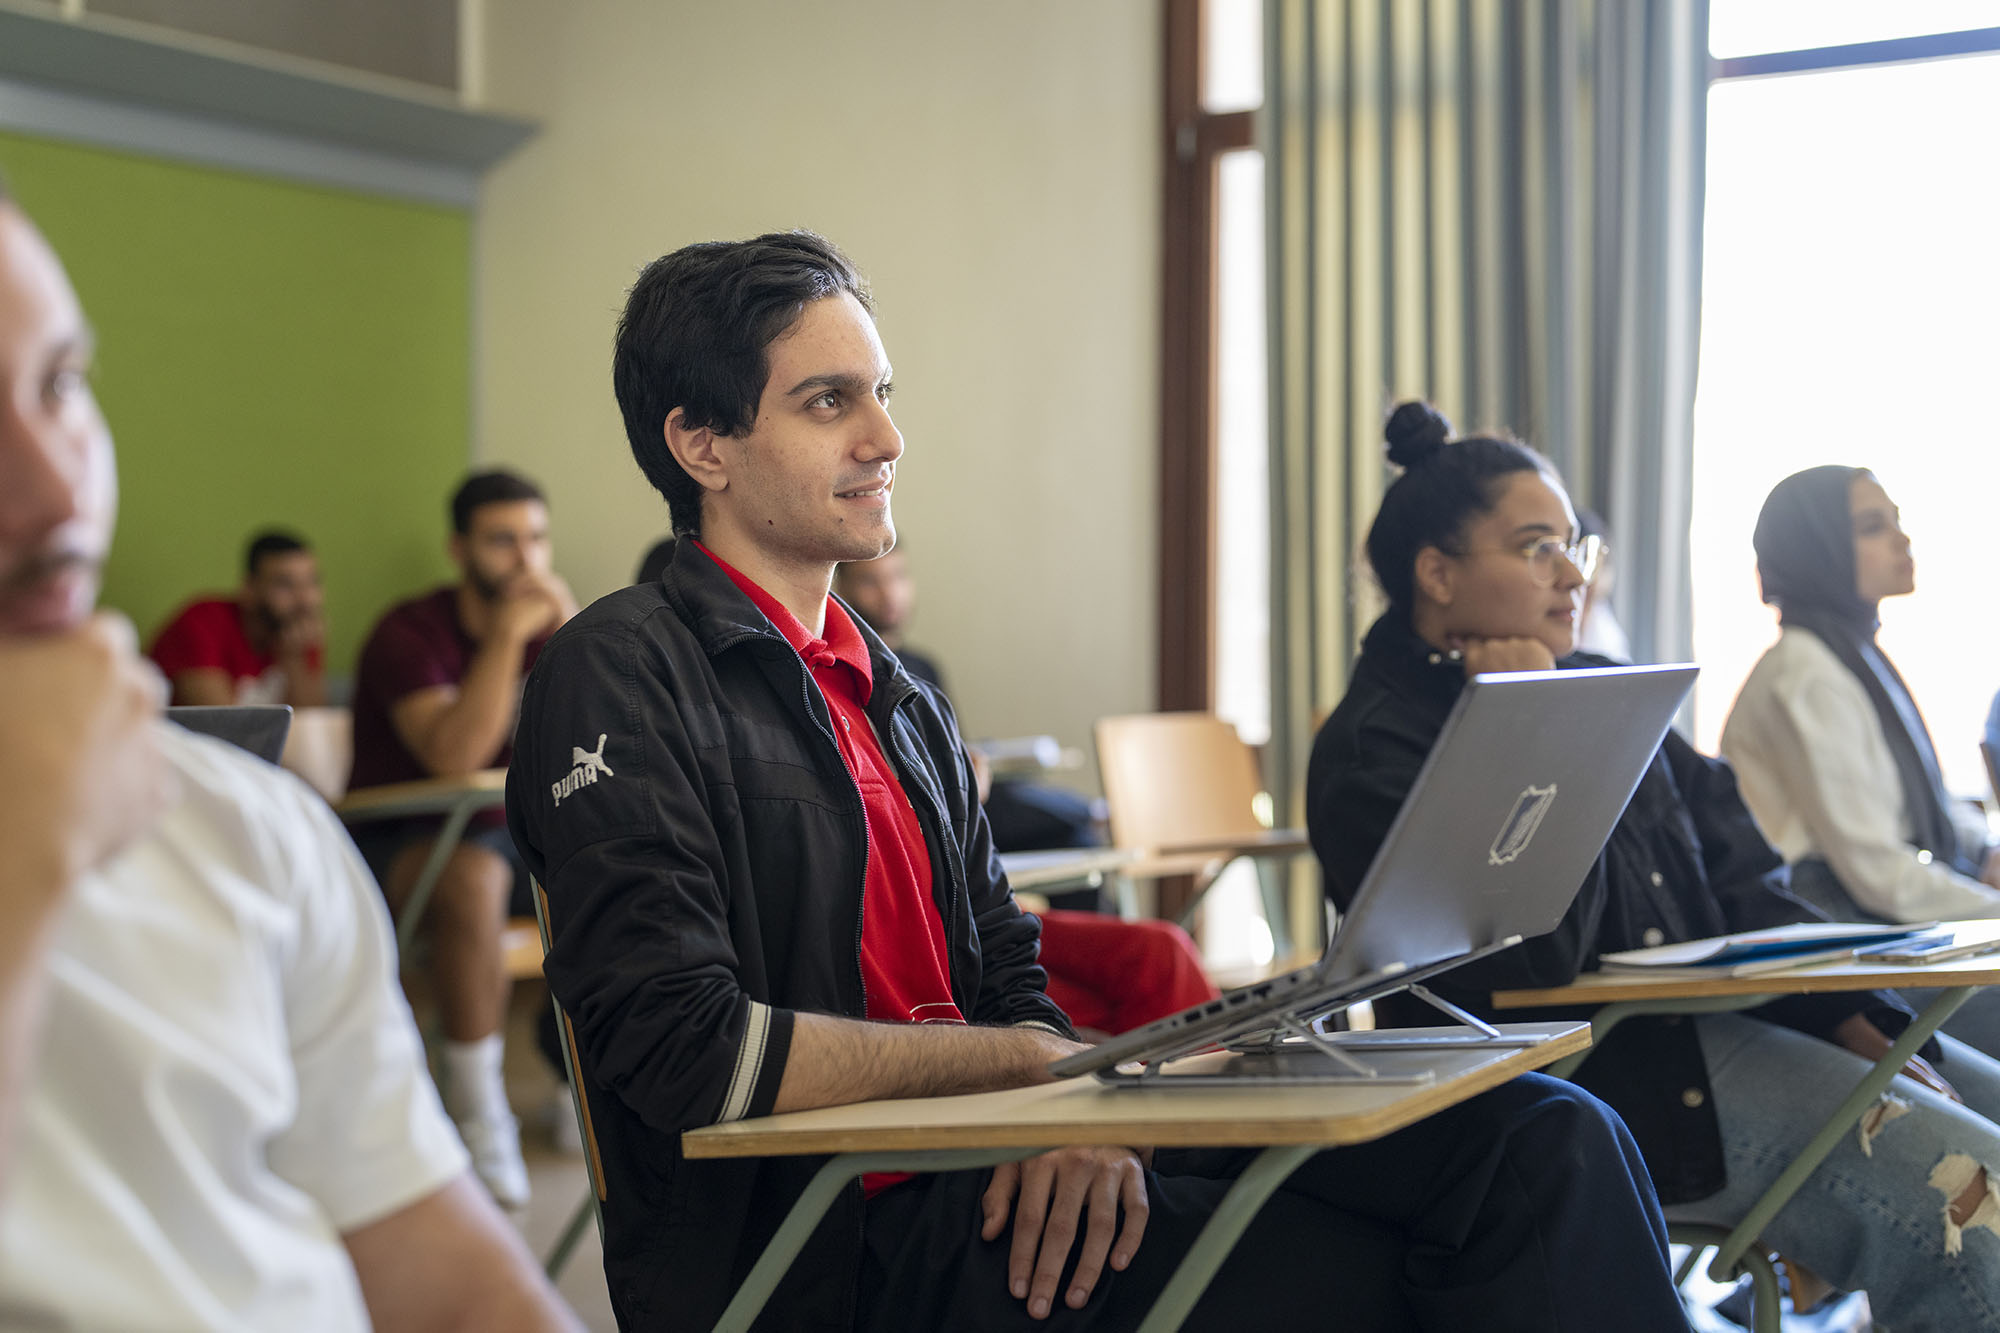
(1215, 558)
(1851, 314)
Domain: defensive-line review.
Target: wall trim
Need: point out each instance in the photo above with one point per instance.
(79, 118)
(131, 86)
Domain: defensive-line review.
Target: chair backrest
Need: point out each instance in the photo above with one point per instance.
(573, 1066)
(1992, 768)
(1174, 779)
(258, 728)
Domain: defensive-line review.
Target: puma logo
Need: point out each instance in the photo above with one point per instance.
(586, 766)
(583, 758)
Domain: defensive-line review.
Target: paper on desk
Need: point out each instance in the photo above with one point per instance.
(1720, 951)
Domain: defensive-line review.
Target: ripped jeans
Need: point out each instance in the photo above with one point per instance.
(1863, 1221)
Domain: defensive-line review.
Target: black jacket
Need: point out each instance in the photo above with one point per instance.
(677, 789)
(1685, 860)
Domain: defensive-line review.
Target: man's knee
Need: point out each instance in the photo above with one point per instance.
(1550, 1119)
(473, 885)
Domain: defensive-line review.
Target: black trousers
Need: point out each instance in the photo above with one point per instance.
(1527, 1208)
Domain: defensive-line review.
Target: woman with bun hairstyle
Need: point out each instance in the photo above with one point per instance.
(1476, 547)
(1834, 757)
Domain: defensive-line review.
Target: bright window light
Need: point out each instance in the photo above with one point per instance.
(1851, 314)
(1233, 66)
(1242, 449)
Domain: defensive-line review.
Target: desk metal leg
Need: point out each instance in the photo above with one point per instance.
(572, 1233)
(819, 1195)
(1125, 894)
(427, 878)
(1611, 1015)
(1272, 1168)
(1844, 1118)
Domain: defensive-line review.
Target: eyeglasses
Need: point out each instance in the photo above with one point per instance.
(1542, 555)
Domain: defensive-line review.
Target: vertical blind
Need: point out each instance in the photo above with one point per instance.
(1495, 205)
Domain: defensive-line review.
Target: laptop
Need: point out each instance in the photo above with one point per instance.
(1522, 787)
(259, 728)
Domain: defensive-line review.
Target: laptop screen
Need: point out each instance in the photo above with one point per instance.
(1522, 787)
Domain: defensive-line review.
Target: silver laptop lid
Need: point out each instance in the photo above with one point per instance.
(1522, 787)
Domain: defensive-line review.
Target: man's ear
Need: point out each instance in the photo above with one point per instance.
(694, 448)
(1436, 576)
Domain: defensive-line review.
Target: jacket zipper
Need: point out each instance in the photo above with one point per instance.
(949, 918)
(806, 688)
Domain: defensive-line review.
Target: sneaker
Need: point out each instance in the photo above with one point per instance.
(1837, 1311)
(495, 1145)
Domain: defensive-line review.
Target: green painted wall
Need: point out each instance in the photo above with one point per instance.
(269, 353)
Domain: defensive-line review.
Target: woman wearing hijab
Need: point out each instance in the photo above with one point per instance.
(1476, 547)
(1832, 754)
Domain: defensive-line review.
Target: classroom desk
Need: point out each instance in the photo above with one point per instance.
(983, 1129)
(458, 799)
(1209, 855)
(1624, 994)
(1063, 867)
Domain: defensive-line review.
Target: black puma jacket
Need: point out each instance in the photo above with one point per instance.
(677, 789)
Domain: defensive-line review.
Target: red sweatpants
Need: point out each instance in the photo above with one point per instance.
(1115, 975)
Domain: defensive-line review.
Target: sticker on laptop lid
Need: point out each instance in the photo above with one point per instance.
(1519, 829)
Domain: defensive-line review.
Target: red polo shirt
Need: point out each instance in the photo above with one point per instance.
(209, 633)
(904, 973)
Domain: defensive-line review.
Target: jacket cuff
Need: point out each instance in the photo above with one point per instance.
(1049, 1028)
(760, 1063)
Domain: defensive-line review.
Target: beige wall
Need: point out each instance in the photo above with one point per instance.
(992, 167)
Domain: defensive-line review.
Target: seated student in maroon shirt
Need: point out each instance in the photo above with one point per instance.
(435, 696)
(263, 645)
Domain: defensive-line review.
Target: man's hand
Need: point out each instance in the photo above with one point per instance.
(1495, 655)
(301, 634)
(532, 604)
(84, 776)
(1046, 1195)
(1990, 872)
(1869, 1042)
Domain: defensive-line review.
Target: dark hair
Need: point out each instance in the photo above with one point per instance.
(695, 334)
(496, 486)
(270, 542)
(1445, 483)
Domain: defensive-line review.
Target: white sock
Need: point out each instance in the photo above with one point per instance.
(473, 1085)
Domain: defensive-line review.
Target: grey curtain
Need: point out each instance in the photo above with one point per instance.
(1496, 205)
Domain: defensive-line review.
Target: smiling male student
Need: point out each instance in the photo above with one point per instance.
(780, 893)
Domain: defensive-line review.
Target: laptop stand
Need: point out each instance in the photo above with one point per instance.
(1296, 1049)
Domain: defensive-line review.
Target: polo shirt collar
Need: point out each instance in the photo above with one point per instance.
(840, 644)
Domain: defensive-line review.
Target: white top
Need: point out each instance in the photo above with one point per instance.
(1816, 770)
(229, 1078)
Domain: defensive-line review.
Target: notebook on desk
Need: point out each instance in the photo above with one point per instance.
(1522, 787)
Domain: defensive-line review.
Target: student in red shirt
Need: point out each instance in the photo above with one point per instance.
(1109, 975)
(264, 645)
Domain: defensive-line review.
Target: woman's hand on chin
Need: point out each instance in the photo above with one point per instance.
(1493, 655)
